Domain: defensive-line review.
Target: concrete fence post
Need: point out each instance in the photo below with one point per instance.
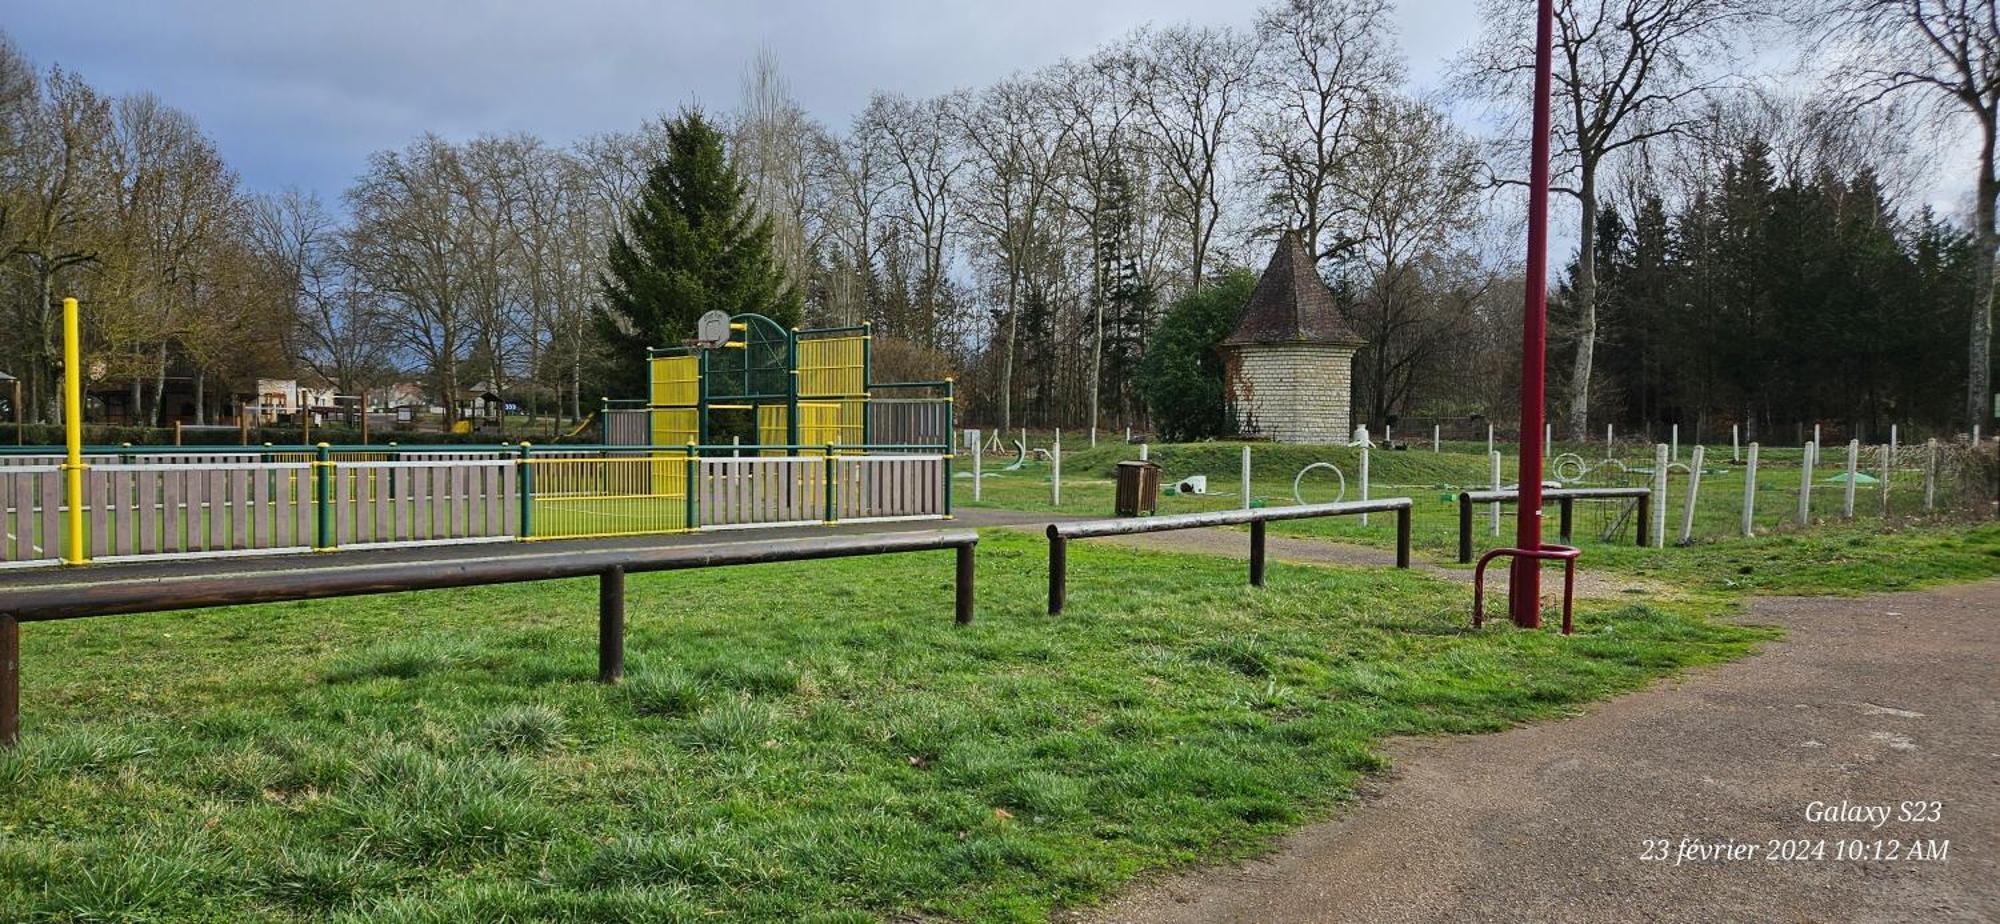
(1750, 493)
(1805, 483)
(978, 461)
(1364, 478)
(1853, 469)
(1930, 475)
(1660, 495)
(1888, 461)
(1246, 477)
(1055, 471)
(1694, 490)
(1493, 509)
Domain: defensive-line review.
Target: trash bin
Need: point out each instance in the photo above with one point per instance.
(1138, 488)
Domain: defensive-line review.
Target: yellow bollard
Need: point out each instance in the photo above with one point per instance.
(73, 427)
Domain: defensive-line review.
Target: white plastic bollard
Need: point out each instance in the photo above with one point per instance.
(1750, 493)
(1493, 509)
(1548, 439)
(1735, 444)
(1694, 492)
(1246, 477)
(1436, 446)
(1607, 441)
(1853, 463)
(1143, 451)
(1489, 439)
(1674, 450)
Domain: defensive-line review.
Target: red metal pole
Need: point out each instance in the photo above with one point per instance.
(1524, 587)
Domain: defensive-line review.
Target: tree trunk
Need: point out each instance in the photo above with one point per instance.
(1978, 386)
(1007, 362)
(200, 399)
(1586, 305)
(159, 382)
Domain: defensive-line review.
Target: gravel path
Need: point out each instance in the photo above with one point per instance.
(1878, 700)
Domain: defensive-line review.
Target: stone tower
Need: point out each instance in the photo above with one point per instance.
(1289, 364)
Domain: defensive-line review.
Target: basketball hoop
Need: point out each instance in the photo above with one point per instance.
(711, 331)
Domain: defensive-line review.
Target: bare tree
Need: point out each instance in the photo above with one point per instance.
(407, 247)
(1623, 71)
(1323, 61)
(919, 140)
(1946, 53)
(1412, 190)
(336, 331)
(1191, 84)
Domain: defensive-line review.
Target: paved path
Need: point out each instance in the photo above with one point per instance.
(1879, 700)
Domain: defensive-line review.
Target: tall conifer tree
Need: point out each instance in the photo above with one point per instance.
(693, 243)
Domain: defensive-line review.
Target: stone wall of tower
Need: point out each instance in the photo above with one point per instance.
(1292, 393)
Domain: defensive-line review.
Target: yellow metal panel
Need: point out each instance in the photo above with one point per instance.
(676, 381)
(617, 496)
(675, 426)
(833, 367)
(771, 427)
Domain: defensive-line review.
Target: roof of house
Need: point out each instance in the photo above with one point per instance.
(1291, 304)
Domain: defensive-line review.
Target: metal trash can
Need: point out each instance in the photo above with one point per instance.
(1138, 488)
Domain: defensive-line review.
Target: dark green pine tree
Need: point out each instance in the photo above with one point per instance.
(693, 243)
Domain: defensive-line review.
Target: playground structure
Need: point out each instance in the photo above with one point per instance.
(827, 445)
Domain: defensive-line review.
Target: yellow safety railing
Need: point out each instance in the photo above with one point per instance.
(577, 498)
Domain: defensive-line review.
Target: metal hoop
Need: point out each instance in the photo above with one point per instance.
(1326, 465)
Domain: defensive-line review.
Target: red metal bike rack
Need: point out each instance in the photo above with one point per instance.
(1566, 553)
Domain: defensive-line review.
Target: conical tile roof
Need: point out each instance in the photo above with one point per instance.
(1291, 304)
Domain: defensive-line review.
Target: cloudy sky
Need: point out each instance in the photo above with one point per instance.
(299, 93)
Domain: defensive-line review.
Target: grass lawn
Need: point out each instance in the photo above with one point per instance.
(1833, 555)
(813, 741)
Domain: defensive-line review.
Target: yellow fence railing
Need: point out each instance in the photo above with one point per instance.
(577, 498)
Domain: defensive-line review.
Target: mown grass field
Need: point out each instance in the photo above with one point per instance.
(1830, 555)
(794, 742)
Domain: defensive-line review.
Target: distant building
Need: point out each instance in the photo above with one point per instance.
(1289, 364)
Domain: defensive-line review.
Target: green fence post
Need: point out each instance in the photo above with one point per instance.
(692, 518)
(323, 495)
(527, 491)
(950, 439)
(830, 470)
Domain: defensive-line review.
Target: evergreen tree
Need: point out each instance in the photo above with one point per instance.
(1181, 374)
(694, 243)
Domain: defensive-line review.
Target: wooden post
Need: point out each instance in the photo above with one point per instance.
(1694, 491)
(1805, 483)
(1643, 517)
(1493, 509)
(1257, 553)
(177, 433)
(1246, 477)
(1058, 572)
(1930, 475)
(1853, 469)
(364, 417)
(611, 625)
(1464, 528)
(1566, 509)
(1403, 537)
(963, 600)
(1750, 493)
(10, 680)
